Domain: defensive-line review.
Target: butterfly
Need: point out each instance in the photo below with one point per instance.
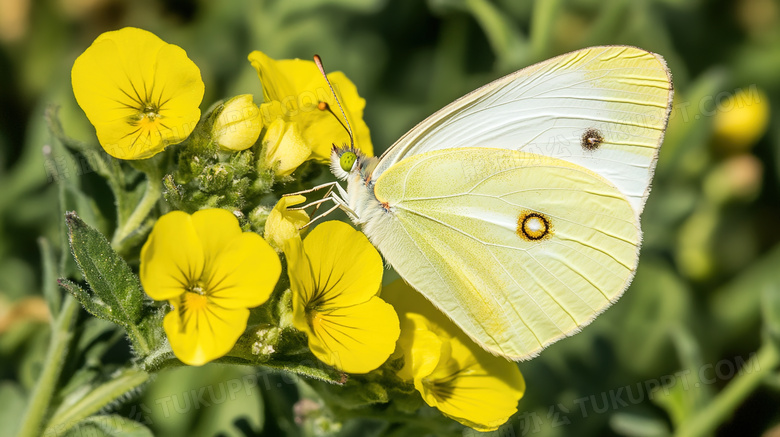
(515, 209)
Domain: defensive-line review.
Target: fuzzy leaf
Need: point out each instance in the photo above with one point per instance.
(107, 274)
(109, 426)
(92, 304)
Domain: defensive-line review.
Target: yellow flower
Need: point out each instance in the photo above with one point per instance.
(283, 224)
(139, 92)
(211, 273)
(238, 124)
(284, 147)
(335, 275)
(450, 371)
(742, 119)
(292, 90)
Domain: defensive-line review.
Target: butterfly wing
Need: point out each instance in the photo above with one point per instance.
(518, 249)
(604, 108)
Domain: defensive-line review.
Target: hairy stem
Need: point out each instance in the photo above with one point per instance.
(707, 420)
(59, 343)
(141, 211)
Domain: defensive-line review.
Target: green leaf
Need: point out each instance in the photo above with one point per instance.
(224, 418)
(109, 426)
(116, 293)
(688, 394)
(735, 307)
(210, 400)
(689, 128)
(92, 304)
(306, 365)
(13, 401)
(633, 424)
(98, 397)
(107, 274)
(657, 302)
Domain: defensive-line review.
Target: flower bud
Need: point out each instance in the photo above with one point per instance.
(285, 148)
(738, 178)
(215, 178)
(238, 124)
(741, 120)
(283, 224)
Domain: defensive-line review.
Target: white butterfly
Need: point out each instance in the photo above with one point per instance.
(515, 209)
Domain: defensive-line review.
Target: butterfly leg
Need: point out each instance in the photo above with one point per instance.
(338, 198)
(328, 185)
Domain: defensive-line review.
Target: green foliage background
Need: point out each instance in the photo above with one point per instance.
(705, 297)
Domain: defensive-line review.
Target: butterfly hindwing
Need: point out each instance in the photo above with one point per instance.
(518, 249)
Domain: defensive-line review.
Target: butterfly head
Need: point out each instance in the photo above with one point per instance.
(344, 161)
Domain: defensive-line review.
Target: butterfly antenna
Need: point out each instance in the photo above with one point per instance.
(324, 105)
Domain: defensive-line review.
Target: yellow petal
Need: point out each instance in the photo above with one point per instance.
(201, 332)
(347, 269)
(283, 224)
(321, 130)
(172, 257)
(274, 79)
(473, 387)
(285, 148)
(355, 339)
(407, 301)
(301, 281)
(244, 274)
(421, 348)
(178, 88)
(215, 228)
(299, 73)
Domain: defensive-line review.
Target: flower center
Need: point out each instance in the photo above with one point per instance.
(197, 287)
(441, 390)
(147, 113)
(195, 302)
(313, 317)
(196, 296)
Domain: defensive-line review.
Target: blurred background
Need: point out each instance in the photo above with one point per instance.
(698, 310)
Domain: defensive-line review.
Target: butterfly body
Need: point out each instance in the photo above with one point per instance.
(515, 209)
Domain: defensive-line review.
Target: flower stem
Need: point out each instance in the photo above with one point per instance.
(59, 343)
(141, 211)
(94, 401)
(707, 420)
(542, 27)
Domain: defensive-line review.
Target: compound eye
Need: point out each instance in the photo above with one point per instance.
(347, 160)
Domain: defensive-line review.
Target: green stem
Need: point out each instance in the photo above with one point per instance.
(707, 420)
(59, 343)
(542, 27)
(507, 43)
(95, 400)
(133, 222)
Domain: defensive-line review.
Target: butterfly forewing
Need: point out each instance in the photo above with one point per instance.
(518, 249)
(604, 108)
